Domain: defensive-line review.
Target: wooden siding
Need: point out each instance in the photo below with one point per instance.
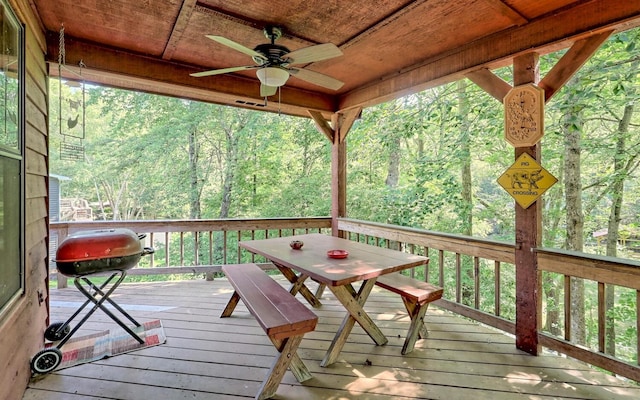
(208, 357)
(22, 326)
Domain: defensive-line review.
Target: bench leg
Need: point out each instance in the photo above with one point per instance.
(283, 361)
(417, 329)
(297, 367)
(231, 305)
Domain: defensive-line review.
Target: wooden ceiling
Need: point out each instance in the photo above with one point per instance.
(391, 48)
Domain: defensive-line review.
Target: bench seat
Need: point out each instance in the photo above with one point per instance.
(416, 296)
(284, 319)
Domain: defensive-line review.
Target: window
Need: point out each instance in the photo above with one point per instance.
(11, 157)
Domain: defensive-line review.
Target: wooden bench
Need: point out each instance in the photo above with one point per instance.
(284, 319)
(416, 296)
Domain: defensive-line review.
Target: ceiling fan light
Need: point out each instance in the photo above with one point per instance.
(272, 76)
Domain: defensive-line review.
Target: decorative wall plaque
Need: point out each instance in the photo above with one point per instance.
(524, 115)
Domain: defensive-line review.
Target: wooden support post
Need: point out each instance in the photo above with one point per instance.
(338, 182)
(342, 123)
(528, 235)
(529, 221)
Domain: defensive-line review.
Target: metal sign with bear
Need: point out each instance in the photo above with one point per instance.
(526, 180)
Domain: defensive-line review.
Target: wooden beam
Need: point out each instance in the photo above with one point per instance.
(571, 62)
(137, 72)
(490, 83)
(345, 122)
(587, 19)
(178, 28)
(528, 235)
(338, 183)
(322, 125)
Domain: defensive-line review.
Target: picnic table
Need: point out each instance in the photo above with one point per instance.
(364, 263)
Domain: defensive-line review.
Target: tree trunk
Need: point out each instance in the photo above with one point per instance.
(229, 172)
(465, 211)
(393, 168)
(574, 219)
(552, 284)
(613, 228)
(195, 211)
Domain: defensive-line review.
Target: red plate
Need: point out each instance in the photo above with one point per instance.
(337, 253)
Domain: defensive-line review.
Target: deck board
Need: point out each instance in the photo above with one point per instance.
(209, 357)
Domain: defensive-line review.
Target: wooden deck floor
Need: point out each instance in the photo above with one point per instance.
(206, 357)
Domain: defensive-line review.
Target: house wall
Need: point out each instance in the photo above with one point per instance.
(22, 326)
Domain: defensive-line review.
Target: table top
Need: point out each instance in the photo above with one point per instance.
(363, 262)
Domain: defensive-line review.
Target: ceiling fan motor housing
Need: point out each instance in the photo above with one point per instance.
(273, 53)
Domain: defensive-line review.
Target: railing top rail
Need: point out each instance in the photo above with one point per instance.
(599, 268)
(180, 225)
(485, 248)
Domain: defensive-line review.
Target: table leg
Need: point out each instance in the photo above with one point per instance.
(354, 303)
(297, 282)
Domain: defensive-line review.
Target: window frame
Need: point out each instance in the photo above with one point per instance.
(17, 153)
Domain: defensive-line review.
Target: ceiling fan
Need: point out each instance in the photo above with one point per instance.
(274, 62)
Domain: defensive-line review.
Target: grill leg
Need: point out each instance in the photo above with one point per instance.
(99, 303)
(90, 297)
(98, 290)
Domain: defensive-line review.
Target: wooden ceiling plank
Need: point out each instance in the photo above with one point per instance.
(571, 62)
(382, 23)
(321, 124)
(502, 8)
(204, 9)
(498, 50)
(178, 28)
(490, 83)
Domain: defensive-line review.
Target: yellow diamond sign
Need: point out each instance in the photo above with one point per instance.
(526, 180)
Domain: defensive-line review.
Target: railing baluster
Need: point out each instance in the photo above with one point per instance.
(167, 240)
(412, 251)
(181, 248)
(601, 317)
(441, 267)
(567, 307)
(497, 287)
(458, 279)
(476, 282)
(196, 246)
(152, 255)
(426, 267)
(210, 247)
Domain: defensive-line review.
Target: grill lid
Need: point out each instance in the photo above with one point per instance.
(99, 244)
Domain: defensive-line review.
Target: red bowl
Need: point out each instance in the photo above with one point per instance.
(337, 253)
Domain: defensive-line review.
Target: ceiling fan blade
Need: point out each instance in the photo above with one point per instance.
(316, 78)
(222, 71)
(266, 91)
(314, 53)
(236, 46)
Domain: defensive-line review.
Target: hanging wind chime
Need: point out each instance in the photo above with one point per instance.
(71, 105)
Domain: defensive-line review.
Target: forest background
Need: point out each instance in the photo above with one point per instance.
(429, 160)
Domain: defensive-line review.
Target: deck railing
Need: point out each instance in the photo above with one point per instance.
(468, 267)
(478, 275)
(192, 246)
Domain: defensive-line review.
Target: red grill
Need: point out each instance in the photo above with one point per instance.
(90, 252)
(108, 252)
